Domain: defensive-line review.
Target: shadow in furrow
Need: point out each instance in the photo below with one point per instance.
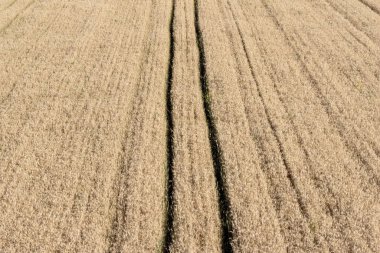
(114, 238)
(224, 202)
(168, 237)
(370, 6)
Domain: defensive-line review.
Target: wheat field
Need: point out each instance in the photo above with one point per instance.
(190, 126)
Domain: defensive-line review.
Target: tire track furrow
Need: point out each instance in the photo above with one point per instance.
(216, 152)
(370, 6)
(8, 95)
(193, 202)
(168, 236)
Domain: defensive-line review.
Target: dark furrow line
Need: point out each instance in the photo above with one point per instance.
(333, 118)
(9, 94)
(169, 230)
(7, 184)
(9, 5)
(370, 6)
(374, 147)
(290, 174)
(114, 243)
(17, 15)
(216, 152)
(348, 19)
(358, 40)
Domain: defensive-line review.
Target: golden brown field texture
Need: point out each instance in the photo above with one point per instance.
(190, 126)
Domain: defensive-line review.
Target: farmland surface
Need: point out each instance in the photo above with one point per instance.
(190, 126)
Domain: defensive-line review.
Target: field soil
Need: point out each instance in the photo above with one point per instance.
(190, 126)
